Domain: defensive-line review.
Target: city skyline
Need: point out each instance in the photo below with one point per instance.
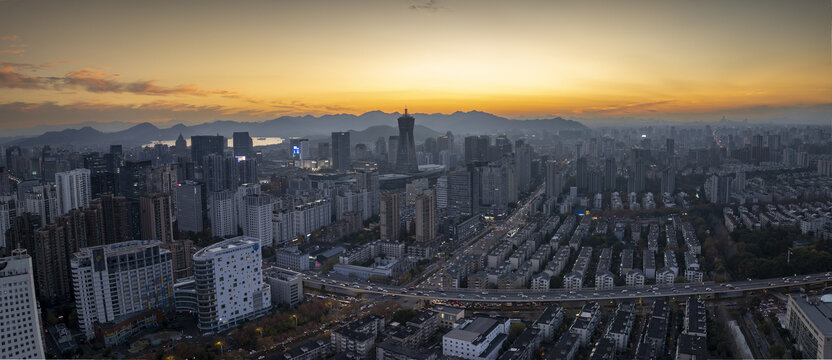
(166, 62)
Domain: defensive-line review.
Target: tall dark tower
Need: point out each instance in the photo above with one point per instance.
(406, 152)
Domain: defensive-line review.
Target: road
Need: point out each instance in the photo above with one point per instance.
(586, 294)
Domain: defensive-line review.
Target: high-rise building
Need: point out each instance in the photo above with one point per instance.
(638, 176)
(7, 213)
(133, 178)
(180, 147)
(554, 180)
(406, 151)
(223, 214)
(610, 173)
(162, 179)
(582, 175)
(108, 296)
(341, 159)
(73, 189)
(495, 185)
(476, 148)
(523, 161)
(118, 222)
(203, 145)
(5, 185)
(718, 188)
(442, 192)
(243, 146)
(425, 217)
(52, 250)
(21, 331)
(229, 284)
(218, 172)
(258, 219)
(190, 206)
(460, 193)
(323, 151)
(392, 149)
(156, 217)
(389, 217)
(239, 197)
(668, 181)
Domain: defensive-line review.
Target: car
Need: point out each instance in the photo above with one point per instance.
(687, 286)
(624, 291)
(595, 294)
(709, 289)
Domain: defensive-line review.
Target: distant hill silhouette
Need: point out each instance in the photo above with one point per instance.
(374, 123)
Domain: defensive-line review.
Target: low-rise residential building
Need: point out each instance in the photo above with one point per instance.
(549, 322)
(357, 339)
(586, 322)
(692, 271)
(635, 278)
(621, 325)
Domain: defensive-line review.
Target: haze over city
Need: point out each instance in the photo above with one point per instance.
(416, 179)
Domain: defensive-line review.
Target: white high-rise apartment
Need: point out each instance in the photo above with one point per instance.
(73, 188)
(20, 329)
(258, 219)
(223, 214)
(229, 284)
(239, 196)
(116, 280)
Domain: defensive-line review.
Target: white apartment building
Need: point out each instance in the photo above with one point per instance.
(223, 214)
(115, 280)
(239, 198)
(73, 189)
(257, 222)
(20, 329)
(229, 283)
(301, 220)
(311, 216)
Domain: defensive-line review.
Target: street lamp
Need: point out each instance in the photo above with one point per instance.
(261, 331)
(220, 344)
(296, 319)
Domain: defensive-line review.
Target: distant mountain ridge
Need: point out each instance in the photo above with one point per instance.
(460, 123)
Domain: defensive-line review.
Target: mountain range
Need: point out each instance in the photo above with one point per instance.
(366, 128)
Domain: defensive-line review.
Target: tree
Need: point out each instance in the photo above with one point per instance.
(515, 330)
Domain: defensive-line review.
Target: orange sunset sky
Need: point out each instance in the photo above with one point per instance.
(66, 62)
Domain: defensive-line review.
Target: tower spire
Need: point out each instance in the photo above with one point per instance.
(405, 110)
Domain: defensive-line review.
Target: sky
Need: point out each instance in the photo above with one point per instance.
(67, 62)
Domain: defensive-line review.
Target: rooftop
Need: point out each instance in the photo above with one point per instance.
(819, 313)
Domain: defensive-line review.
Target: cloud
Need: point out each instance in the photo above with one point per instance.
(14, 47)
(94, 80)
(429, 5)
(628, 108)
(13, 80)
